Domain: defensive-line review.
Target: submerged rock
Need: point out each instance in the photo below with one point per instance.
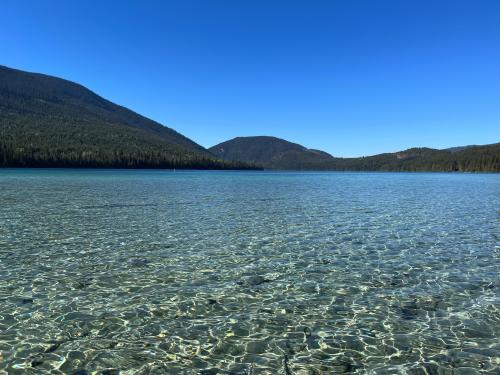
(209, 371)
(253, 280)
(241, 369)
(83, 283)
(140, 263)
(36, 361)
(286, 366)
(409, 310)
(53, 347)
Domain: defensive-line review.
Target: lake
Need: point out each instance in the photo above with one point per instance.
(162, 272)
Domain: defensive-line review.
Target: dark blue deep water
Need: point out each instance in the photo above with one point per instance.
(159, 272)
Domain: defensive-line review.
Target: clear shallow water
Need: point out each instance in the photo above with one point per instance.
(139, 272)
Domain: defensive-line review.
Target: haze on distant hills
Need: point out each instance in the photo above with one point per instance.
(275, 153)
(51, 122)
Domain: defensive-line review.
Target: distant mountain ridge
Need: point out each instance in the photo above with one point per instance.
(458, 148)
(270, 152)
(275, 153)
(47, 121)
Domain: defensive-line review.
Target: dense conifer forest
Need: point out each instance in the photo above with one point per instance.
(275, 153)
(50, 122)
(471, 159)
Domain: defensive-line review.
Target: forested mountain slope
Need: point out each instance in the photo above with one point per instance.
(272, 153)
(51, 122)
(275, 153)
(469, 159)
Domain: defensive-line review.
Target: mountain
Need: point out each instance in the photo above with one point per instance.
(467, 159)
(51, 122)
(275, 153)
(459, 148)
(272, 153)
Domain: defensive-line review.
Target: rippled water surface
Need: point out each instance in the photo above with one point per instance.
(139, 272)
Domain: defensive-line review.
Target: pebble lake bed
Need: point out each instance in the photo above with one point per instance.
(204, 272)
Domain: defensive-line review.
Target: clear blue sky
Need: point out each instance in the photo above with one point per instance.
(351, 77)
